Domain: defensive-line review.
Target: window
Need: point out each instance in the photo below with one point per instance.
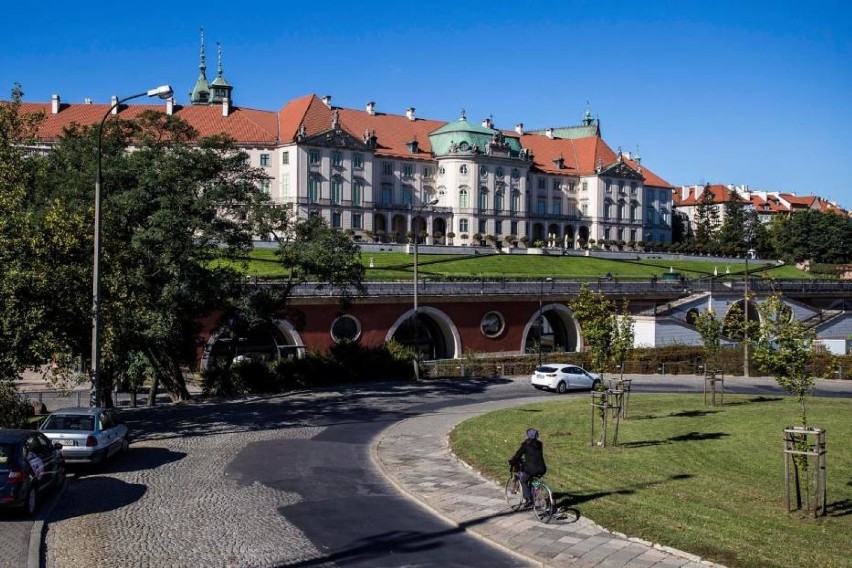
(407, 196)
(387, 194)
(542, 183)
(483, 226)
(483, 199)
(407, 170)
(607, 212)
(632, 188)
(633, 235)
(556, 206)
(570, 187)
(498, 173)
(483, 171)
(513, 228)
(387, 168)
(498, 201)
(264, 186)
(516, 201)
(634, 208)
(313, 190)
(285, 185)
(357, 223)
(515, 173)
(608, 186)
(345, 328)
(264, 160)
(427, 171)
(336, 159)
(335, 219)
(606, 233)
(584, 186)
(621, 187)
(557, 185)
(463, 199)
(498, 228)
(441, 171)
(650, 218)
(620, 234)
(584, 209)
(492, 324)
(336, 191)
(463, 225)
(358, 161)
(357, 190)
(463, 169)
(285, 158)
(313, 157)
(620, 213)
(541, 205)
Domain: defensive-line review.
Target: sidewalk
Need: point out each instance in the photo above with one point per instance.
(414, 454)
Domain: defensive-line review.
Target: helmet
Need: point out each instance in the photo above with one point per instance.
(532, 434)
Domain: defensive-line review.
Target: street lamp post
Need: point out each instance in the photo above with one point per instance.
(541, 318)
(163, 92)
(416, 320)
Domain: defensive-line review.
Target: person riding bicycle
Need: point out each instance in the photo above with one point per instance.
(529, 459)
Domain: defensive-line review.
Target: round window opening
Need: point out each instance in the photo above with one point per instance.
(345, 328)
(492, 324)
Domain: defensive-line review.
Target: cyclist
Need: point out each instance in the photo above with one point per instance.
(530, 460)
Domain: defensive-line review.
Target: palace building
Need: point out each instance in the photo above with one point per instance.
(463, 183)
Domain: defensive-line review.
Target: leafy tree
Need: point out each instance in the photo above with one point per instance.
(785, 349)
(623, 336)
(681, 228)
(731, 234)
(593, 311)
(814, 235)
(710, 328)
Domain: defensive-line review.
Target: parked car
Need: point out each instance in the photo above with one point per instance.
(560, 377)
(88, 435)
(29, 465)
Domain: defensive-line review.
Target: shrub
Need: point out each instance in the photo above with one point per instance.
(14, 408)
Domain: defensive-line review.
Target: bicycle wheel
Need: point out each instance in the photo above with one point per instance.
(542, 502)
(514, 494)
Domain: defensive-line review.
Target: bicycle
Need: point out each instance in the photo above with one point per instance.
(540, 493)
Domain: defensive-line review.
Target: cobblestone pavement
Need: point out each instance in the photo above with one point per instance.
(167, 502)
(14, 539)
(415, 454)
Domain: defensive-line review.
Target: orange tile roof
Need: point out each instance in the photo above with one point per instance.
(799, 201)
(581, 156)
(769, 205)
(392, 132)
(246, 126)
(651, 179)
(720, 193)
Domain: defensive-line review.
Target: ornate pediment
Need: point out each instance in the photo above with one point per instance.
(336, 137)
(620, 170)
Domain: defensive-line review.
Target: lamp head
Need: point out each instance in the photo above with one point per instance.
(433, 201)
(163, 91)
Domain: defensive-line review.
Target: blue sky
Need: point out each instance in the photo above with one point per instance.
(748, 92)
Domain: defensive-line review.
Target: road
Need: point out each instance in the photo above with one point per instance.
(281, 481)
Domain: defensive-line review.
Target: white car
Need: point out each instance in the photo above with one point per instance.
(560, 377)
(87, 435)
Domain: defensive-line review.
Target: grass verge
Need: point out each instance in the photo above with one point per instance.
(706, 480)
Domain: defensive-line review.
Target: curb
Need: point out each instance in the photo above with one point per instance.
(39, 529)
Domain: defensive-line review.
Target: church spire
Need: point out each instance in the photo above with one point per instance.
(220, 87)
(200, 94)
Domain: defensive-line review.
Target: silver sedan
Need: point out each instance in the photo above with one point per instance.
(87, 435)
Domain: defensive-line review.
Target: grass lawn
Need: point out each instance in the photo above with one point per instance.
(701, 479)
(398, 266)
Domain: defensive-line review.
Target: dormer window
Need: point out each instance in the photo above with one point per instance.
(413, 146)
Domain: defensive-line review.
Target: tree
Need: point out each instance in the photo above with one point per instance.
(623, 336)
(710, 329)
(813, 235)
(706, 219)
(593, 311)
(785, 349)
(731, 234)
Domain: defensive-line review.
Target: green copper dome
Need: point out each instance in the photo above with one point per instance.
(463, 137)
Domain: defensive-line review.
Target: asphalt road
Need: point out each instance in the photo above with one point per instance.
(283, 481)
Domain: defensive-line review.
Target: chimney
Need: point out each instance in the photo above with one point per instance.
(226, 106)
(54, 104)
(519, 128)
(549, 133)
(113, 101)
(326, 100)
(486, 123)
(170, 106)
(371, 108)
(87, 101)
(409, 112)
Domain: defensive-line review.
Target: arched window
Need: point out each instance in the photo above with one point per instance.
(483, 198)
(607, 212)
(621, 208)
(464, 198)
(516, 201)
(498, 200)
(634, 210)
(442, 196)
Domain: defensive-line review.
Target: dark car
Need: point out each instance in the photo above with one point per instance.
(29, 465)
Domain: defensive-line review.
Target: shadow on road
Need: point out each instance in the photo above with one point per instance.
(111, 494)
